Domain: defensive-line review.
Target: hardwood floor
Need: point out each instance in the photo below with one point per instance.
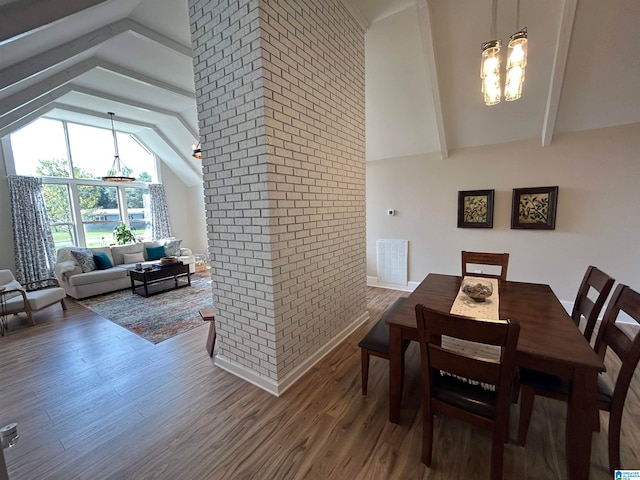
(95, 401)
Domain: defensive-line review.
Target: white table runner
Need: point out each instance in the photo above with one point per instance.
(487, 310)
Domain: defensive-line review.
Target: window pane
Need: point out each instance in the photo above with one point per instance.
(92, 153)
(56, 198)
(63, 235)
(40, 149)
(91, 150)
(139, 216)
(99, 213)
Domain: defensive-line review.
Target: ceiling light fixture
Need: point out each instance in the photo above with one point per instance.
(516, 62)
(490, 63)
(196, 151)
(119, 172)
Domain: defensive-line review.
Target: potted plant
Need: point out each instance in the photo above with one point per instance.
(123, 234)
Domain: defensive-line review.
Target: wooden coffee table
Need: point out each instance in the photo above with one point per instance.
(158, 279)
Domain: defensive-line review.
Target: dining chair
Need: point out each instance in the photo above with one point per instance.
(584, 306)
(376, 342)
(464, 385)
(627, 349)
(479, 258)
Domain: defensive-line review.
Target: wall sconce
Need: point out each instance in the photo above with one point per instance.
(196, 151)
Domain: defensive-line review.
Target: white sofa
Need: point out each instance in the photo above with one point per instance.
(81, 285)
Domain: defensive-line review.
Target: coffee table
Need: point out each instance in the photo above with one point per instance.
(158, 279)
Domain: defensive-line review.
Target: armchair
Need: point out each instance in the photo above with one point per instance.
(18, 299)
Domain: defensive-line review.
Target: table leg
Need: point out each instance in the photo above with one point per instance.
(395, 373)
(581, 410)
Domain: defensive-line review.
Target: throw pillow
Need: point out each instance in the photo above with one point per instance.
(84, 257)
(155, 253)
(172, 248)
(134, 257)
(102, 261)
(12, 285)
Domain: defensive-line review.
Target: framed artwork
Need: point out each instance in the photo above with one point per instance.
(475, 209)
(534, 208)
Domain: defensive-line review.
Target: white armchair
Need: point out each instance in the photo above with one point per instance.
(17, 299)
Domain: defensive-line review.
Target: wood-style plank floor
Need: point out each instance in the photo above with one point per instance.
(95, 401)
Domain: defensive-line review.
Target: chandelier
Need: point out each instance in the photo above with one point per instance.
(491, 62)
(119, 172)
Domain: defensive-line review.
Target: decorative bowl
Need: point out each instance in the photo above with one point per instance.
(168, 260)
(477, 290)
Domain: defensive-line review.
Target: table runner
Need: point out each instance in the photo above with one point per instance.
(487, 310)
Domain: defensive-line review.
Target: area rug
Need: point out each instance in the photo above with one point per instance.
(159, 317)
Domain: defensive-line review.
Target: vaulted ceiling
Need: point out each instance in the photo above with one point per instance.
(78, 59)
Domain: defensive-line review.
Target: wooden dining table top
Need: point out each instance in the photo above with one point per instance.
(549, 339)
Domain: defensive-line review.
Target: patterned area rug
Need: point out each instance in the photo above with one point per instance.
(160, 316)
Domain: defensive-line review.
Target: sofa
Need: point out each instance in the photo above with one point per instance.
(84, 272)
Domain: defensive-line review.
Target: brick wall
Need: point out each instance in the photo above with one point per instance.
(280, 94)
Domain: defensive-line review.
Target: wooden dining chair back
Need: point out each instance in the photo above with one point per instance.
(466, 385)
(480, 258)
(584, 306)
(610, 336)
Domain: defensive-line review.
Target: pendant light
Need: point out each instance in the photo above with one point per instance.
(490, 63)
(118, 172)
(516, 62)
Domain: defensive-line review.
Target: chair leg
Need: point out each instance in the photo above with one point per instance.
(30, 315)
(364, 353)
(527, 396)
(615, 422)
(64, 305)
(427, 434)
(497, 456)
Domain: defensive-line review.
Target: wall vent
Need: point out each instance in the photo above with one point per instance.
(392, 258)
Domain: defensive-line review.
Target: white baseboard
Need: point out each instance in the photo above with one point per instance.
(410, 287)
(277, 388)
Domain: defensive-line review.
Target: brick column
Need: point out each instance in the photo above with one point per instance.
(280, 93)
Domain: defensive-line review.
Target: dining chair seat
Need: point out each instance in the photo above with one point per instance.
(376, 342)
(464, 395)
(552, 384)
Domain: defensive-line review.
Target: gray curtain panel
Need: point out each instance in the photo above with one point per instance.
(35, 252)
(160, 227)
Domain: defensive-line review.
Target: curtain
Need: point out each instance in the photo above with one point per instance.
(35, 251)
(160, 227)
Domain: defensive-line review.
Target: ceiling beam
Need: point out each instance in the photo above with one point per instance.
(20, 18)
(428, 46)
(54, 56)
(557, 73)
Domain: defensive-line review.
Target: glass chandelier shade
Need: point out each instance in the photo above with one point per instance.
(119, 172)
(490, 72)
(516, 64)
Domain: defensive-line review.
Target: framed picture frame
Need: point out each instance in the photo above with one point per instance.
(475, 208)
(534, 208)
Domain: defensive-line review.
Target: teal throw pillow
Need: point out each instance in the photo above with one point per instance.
(155, 253)
(102, 261)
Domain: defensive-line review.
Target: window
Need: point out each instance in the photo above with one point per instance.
(56, 197)
(71, 158)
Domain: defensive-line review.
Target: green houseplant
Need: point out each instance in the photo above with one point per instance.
(123, 234)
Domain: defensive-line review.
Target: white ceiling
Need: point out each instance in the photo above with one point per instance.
(133, 57)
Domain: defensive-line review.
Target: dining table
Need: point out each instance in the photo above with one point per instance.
(549, 342)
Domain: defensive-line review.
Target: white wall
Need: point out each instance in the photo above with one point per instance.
(399, 119)
(186, 211)
(597, 221)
